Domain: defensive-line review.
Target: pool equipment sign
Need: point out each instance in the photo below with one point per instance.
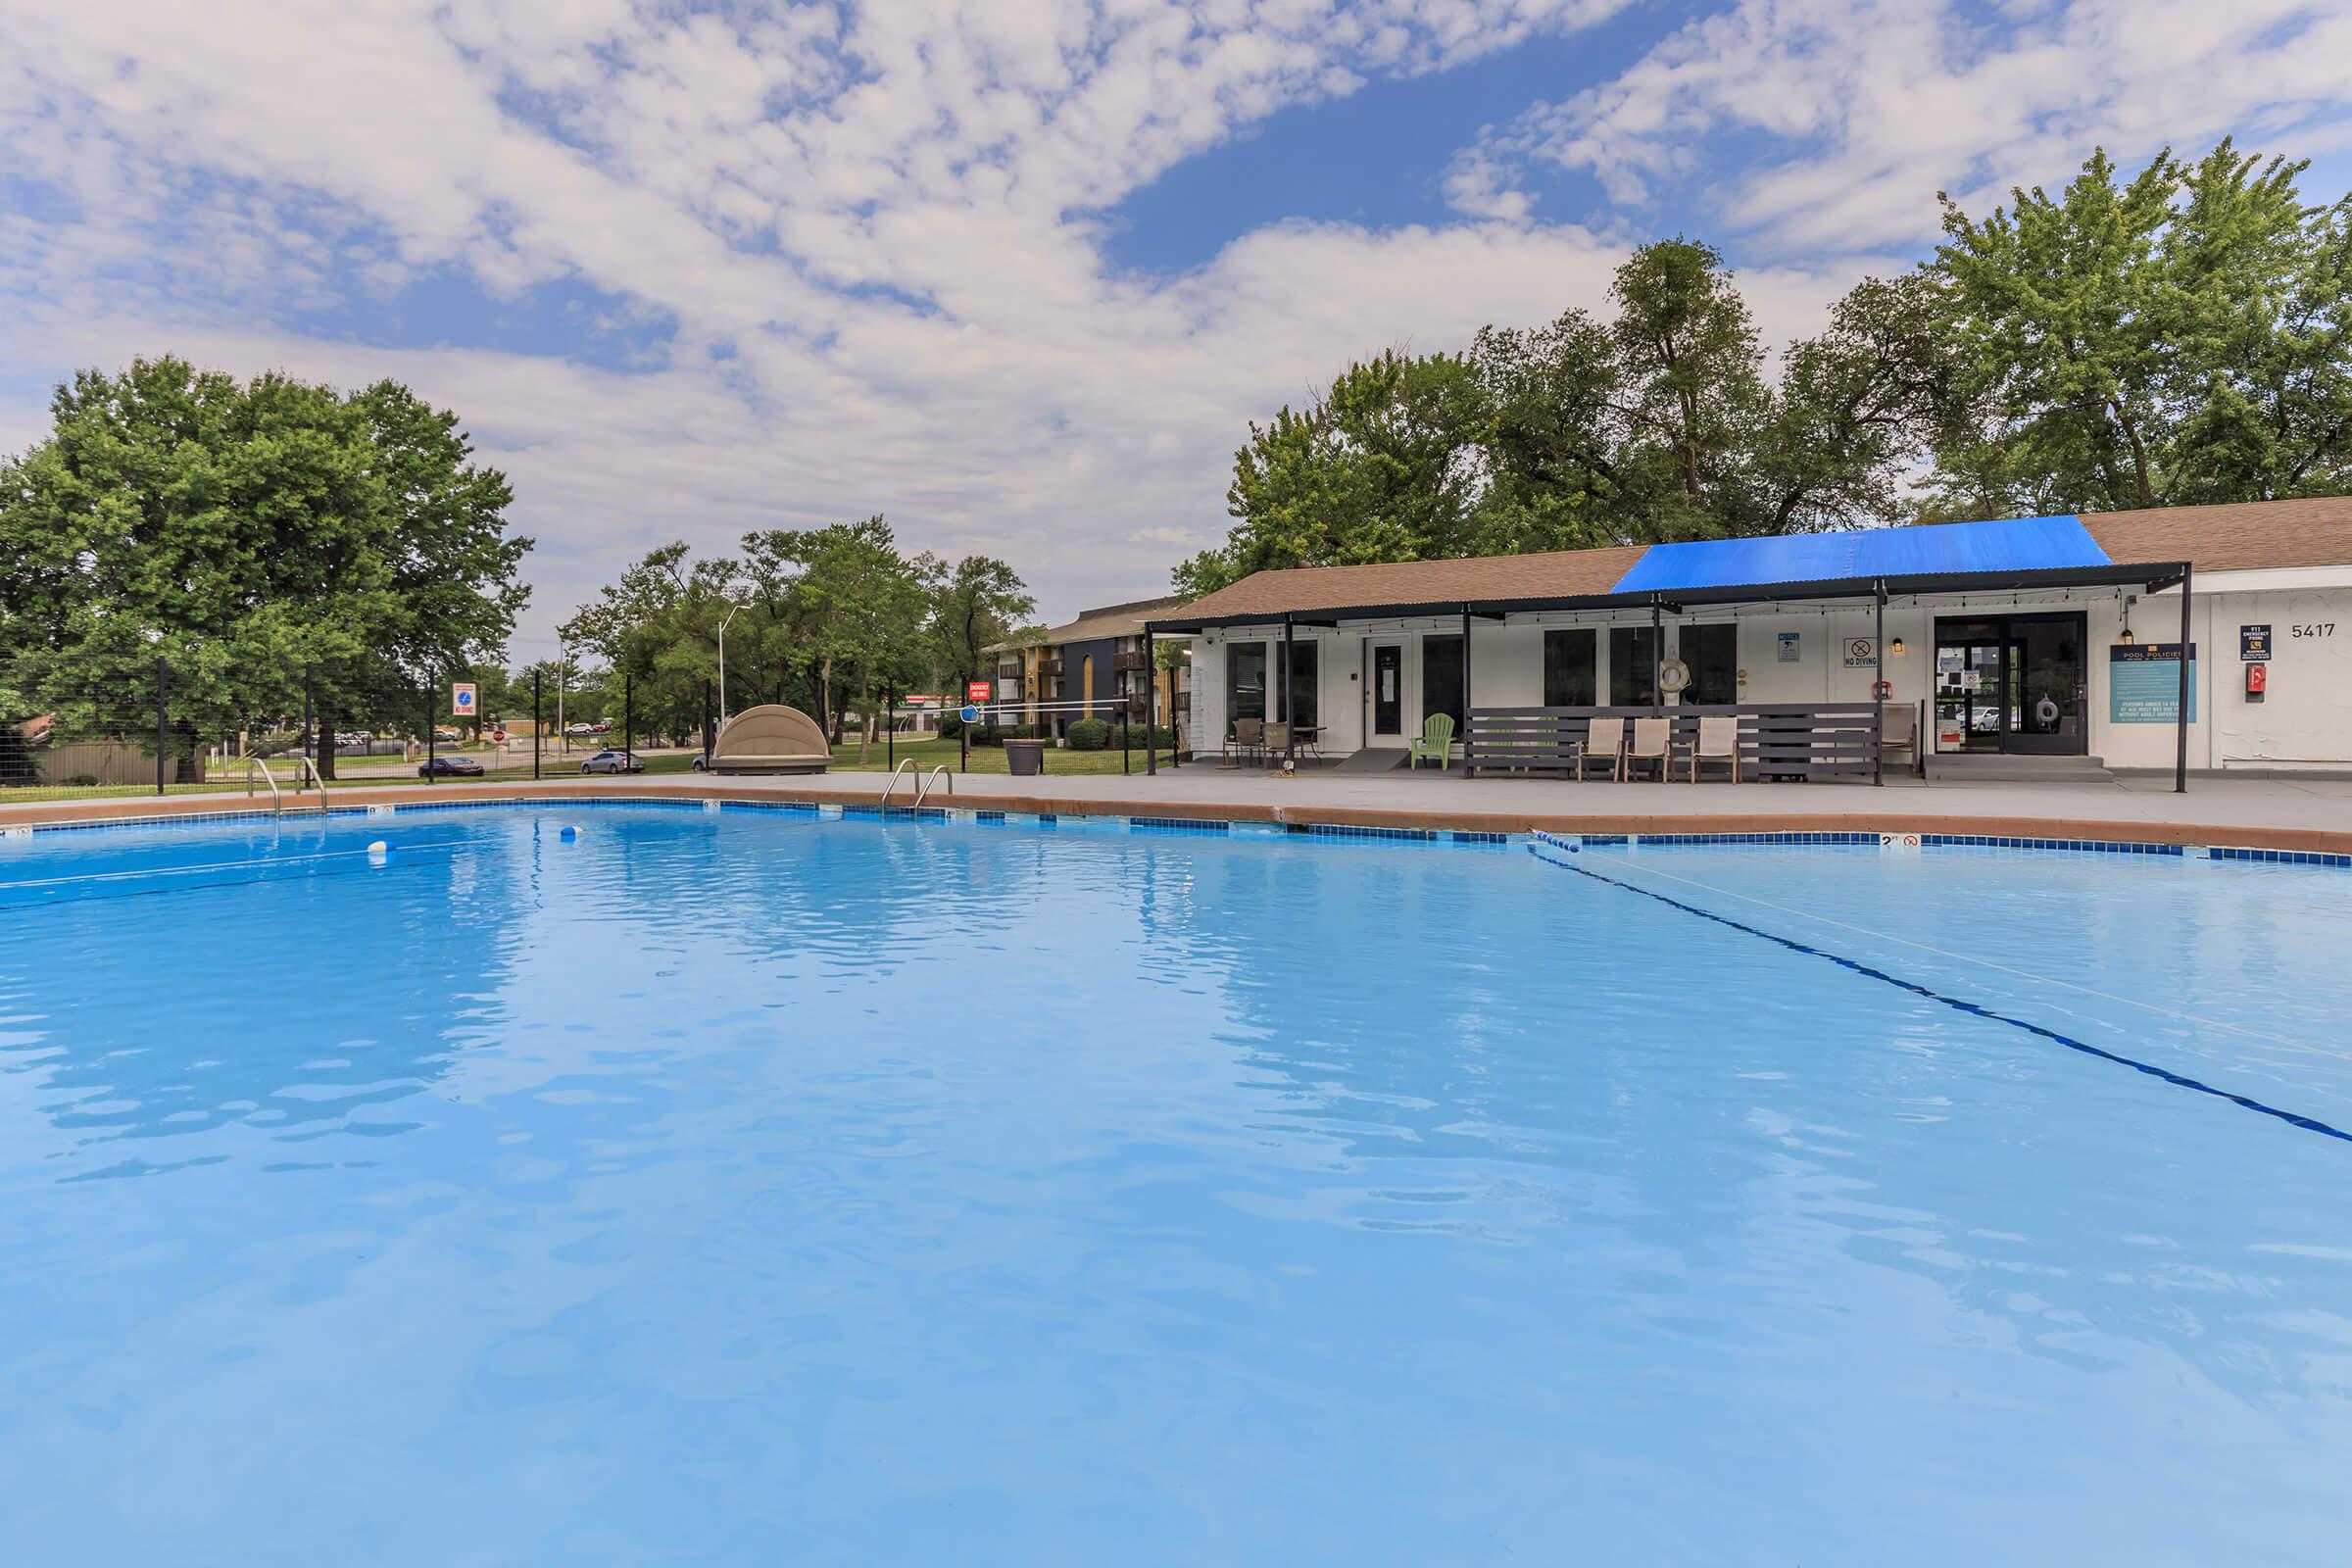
(2143, 683)
(462, 699)
(1790, 644)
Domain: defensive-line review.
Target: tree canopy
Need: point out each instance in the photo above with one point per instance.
(2182, 335)
(244, 531)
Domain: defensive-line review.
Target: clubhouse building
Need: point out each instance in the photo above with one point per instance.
(2027, 646)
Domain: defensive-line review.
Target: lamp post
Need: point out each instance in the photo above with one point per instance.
(722, 663)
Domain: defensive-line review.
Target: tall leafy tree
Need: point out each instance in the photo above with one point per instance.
(2177, 336)
(1692, 388)
(1383, 467)
(974, 605)
(244, 531)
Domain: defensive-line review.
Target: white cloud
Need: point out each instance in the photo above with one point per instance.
(1870, 106)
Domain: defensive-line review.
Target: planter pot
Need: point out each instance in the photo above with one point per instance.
(1024, 758)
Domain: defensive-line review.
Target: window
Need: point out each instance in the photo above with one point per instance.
(1568, 674)
(1713, 655)
(1244, 680)
(1442, 678)
(1300, 705)
(1632, 666)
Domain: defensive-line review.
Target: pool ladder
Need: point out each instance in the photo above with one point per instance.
(923, 784)
(277, 797)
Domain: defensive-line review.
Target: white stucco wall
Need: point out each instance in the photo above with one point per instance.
(2305, 720)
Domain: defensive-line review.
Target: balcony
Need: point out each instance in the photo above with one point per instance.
(1048, 666)
(1127, 662)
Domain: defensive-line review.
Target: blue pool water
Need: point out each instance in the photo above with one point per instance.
(747, 1188)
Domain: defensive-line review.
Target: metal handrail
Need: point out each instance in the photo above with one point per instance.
(893, 782)
(317, 779)
(923, 790)
(277, 799)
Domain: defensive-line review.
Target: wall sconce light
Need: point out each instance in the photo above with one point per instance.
(1895, 647)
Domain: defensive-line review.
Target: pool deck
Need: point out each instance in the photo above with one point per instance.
(2283, 814)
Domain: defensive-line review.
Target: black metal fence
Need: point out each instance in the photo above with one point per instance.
(69, 733)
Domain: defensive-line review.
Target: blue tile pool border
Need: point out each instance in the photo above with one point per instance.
(1221, 826)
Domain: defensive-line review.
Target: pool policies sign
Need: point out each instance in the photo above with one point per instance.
(2143, 683)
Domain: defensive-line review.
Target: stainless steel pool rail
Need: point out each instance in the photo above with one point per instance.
(278, 798)
(923, 791)
(894, 784)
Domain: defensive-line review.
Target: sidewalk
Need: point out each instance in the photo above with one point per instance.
(2279, 814)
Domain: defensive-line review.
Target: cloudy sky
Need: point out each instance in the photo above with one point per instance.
(1016, 272)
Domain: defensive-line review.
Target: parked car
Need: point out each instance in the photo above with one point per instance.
(443, 732)
(453, 766)
(352, 737)
(579, 727)
(603, 726)
(609, 760)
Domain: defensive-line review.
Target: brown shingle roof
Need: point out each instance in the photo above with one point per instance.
(1555, 574)
(2236, 537)
(2241, 536)
(1109, 620)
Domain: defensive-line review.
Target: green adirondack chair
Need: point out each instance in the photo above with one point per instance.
(1436, 742)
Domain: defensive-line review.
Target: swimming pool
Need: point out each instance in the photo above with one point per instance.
(745, 1187)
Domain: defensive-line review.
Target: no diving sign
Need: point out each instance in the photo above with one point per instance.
(462, 699)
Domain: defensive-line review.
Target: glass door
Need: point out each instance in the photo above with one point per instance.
(1971, 683)
(1388, 689)
(2050, 691)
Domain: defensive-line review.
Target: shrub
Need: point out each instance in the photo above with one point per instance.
(1089, 734)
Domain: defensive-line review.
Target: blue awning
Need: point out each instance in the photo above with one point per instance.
(2016, 544)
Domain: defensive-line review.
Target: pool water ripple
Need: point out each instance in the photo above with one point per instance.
(745, 1188)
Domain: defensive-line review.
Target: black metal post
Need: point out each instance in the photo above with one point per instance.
(432, 700)
(628, 719)
(1657, 654)
(1289, 727)
(1465, 695)
(163, 725)
(710, 735)
(890, 729)
(536, 726)
(1878, 703)
(306, 714)
(1152, 706)
(2181, 719)
(1126, 752)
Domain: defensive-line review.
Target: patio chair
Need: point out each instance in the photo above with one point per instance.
(1248, 739)
(1603, 743)
(1436, 742)
(1899, 734)
(1718, 742)
(1652, 738)
(1277, 741)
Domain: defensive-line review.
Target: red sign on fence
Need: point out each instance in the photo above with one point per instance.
(975, 691)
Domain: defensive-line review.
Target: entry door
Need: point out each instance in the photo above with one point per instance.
(1387, 688)
(2048, 713)
(1971, 685)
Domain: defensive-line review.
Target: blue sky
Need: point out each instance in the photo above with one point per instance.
(1017, 275)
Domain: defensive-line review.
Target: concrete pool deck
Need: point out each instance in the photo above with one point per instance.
(2312, 814)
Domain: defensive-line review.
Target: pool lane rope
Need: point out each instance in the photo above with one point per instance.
(2079, 989)
(106, 884)
(2308, 1124)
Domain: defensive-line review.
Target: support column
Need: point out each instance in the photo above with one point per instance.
(2181, 719)
(163, 726)
(1878, 704)
(1150, 704)
(1657, 653)
(1465, 696)
(537, 726)
(432, 700)
(1290, 720)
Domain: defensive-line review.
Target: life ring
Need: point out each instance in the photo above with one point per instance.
(1673, 675)
(2046, 710)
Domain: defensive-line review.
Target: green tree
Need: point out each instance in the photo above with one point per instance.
(2175, 337)
(1383, 467)
(974, 605)
(243, 531)
(1692, 389)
